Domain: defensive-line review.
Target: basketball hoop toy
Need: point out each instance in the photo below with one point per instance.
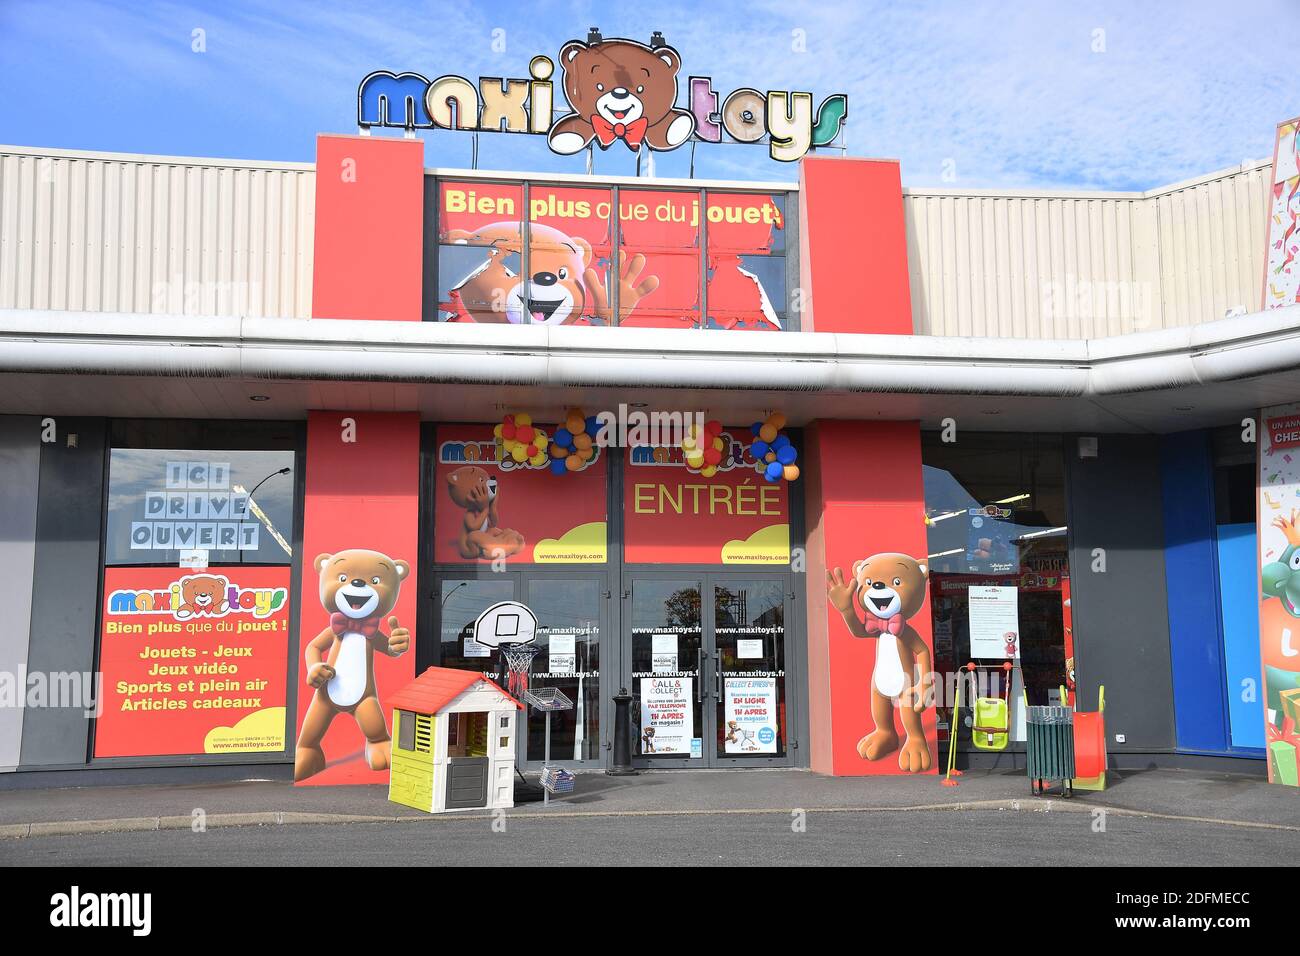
(519, 664)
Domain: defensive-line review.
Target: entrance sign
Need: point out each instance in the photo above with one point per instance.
(618, 91)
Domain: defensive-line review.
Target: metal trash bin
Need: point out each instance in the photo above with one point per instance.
(1049, 748)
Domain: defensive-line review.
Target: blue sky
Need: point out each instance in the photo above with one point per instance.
(1109, 95)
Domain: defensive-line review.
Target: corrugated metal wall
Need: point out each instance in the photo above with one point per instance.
(112, 233)
(1086, 265)
(155, 234)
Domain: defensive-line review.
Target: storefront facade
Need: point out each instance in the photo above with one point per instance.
(345, 410)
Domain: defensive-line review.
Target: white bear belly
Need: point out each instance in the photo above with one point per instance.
(888, 673)
(349, 681)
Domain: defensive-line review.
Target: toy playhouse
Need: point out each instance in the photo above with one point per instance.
(453, 743)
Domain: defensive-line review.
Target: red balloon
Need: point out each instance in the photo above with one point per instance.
(713, 427)
(712, 456)
(531, 451)
(507, 429)
(524, 433)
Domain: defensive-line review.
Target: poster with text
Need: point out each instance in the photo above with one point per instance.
(994, 621)
(573, 277)
(193, 663)
(1279, 610)
(667, 715)
(750, 715)
(673, 515)
(489, 505)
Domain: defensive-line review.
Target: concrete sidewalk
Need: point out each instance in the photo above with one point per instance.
(1219, 798)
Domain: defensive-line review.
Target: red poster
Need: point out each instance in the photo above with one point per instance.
(573, 279)
(672, 515)
(193, 662)
(355, 646)
(489, 505)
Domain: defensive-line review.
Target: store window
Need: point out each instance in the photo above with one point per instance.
(999, 562)
(659, 246)
(195, 624)
(746, 261)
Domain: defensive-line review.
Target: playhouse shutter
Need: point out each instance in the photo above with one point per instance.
(423, 733)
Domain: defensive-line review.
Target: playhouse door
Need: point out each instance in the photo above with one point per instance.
(467, 783)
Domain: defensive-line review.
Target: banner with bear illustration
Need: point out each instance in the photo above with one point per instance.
(676, 251)
(673, 515)
(1279, 576)
(193, 663)
(490, 506)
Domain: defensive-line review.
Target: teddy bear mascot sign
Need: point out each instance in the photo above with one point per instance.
(890, 588)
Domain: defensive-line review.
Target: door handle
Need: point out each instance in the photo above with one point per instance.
(717, 675)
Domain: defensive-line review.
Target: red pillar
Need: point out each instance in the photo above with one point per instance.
(363, 469)
(864, 489)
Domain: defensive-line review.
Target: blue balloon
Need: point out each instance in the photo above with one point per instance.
(755, 428)
(780, 441)
(563, 437)
(786, 455)
(774, 471)
(593, 425)
(759, 449)
(557, 466)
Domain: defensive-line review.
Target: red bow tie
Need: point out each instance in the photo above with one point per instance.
(879, 625)
(342, 624)
(631, 133)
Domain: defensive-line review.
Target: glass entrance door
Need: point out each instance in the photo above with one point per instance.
(705, 659)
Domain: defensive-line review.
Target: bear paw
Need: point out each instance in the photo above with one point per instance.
(680, 130)
(877, 744)
(566, 144)
(914, 757)
(307, 762)
(378, 754)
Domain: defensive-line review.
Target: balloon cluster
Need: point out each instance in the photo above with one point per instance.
(776, 456)
(703, 448)
(521, 441)
(573, 445)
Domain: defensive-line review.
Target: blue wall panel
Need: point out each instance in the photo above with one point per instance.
(1239, 601)
(1192, 592)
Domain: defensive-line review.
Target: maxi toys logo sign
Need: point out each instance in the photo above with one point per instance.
(617, 90)
(198, 595)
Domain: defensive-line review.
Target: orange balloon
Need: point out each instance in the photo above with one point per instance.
(776, 420)
(586, 453)
(767, 433)
(558, 452)
(581, 441)
(791, 472)
(573, 463)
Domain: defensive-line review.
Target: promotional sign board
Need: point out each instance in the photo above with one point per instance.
(994, 621)
(1279, 580)
(674, 515)
(667, 715)
(193, 663)
(618, 91)
(750, 714)
(571, 233)
(491, 506)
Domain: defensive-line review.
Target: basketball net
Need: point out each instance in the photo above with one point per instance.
(519, 661)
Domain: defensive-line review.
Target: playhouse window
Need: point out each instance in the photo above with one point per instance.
(405, 730)
(505, 722)
(453, 729)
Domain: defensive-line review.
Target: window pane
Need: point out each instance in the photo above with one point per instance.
(659, 279)
(570, 245)
(480, 245)
(163, 501)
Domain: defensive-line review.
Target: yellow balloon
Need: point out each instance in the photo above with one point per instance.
(538, 459)
(497, 431)
(518, 453)
(523, 420)
(717, 443)
(791, 472)
(709, 471)
(688, 442)
(767, 433)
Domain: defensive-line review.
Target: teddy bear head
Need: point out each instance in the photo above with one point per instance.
(890, 584)
(470, 487)
(359, 583)
(554, 293)
(204, 592)
(619, 80)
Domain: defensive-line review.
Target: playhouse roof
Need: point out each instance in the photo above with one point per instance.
(439, 686)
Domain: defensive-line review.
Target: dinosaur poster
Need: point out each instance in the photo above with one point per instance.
(1279, 575)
